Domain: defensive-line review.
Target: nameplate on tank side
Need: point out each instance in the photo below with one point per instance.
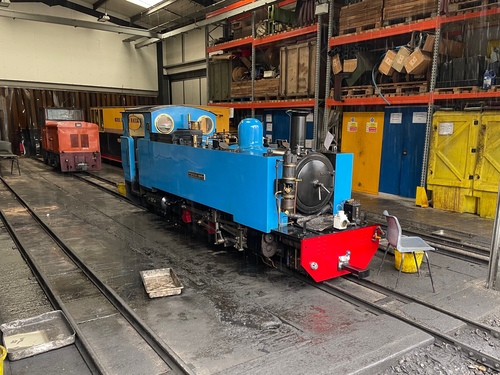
(198, 176)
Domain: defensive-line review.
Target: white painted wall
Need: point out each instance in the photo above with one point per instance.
(184, 53)
(37, 52)
(186, 48)
(190, 91)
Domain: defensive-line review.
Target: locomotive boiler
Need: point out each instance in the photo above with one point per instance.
(282, 201)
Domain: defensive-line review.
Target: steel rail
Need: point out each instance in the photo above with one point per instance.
(405, 298)
(161, 348)
(88, 355)
(439, 337)
(449, 246)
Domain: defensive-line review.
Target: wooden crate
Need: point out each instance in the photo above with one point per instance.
(365, 15)
(397, 11)
(263, 89)
(298, 70)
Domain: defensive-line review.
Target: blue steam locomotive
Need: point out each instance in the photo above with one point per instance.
(277, 201)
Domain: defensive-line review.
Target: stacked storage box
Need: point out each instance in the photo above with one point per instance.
(364, 15)
(396, 10)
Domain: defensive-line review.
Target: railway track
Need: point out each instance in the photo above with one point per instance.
(101, 183)
(430, 318)
(57, 268)
(460, 245)
(461, 342)
(491, 361)
(95, 180)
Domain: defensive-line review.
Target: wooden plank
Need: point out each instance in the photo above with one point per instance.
(262, 87)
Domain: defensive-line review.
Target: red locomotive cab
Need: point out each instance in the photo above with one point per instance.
(71, 145)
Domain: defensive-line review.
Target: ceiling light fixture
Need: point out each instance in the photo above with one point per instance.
(104, 18)
(145, 3)
(4, 3)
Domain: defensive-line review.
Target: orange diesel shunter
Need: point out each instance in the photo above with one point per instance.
(71, 145)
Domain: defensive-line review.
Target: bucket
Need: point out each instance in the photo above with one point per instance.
(3, 354)
(409, 262)
(121, 189)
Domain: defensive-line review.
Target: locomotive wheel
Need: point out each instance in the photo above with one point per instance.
(268, 245)
(315, 189)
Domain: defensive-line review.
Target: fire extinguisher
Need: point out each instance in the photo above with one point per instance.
(22, 150)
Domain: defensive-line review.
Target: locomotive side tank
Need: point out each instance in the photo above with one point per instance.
(272, 201)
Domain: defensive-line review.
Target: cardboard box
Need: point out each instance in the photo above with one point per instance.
(418, 62)
(454, 49)
(399, 61)
(336, 64)
(446, 46)
(350, 65)
(385, 66)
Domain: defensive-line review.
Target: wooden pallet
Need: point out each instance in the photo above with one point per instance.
(388, 89)
(459, 7)
(403, 88)
(495, 88)
(241, 99)
(267, 97)
(298, 96)
(397, 19)
(359, 29)
(357, 91)
(457, 90)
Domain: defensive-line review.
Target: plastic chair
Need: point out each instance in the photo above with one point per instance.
(6, 154)
(405, 245)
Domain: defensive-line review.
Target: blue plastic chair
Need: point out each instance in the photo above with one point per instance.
(405, 245)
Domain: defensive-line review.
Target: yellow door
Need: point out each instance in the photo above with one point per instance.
(452, 160)
(362, 135)
(487, 172)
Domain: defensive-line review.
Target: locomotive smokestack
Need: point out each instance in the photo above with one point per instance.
(297, 129)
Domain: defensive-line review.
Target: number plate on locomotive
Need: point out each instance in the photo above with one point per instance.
(198, 176)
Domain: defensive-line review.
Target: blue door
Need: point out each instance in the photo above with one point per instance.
(402, 150)
(277, 126)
